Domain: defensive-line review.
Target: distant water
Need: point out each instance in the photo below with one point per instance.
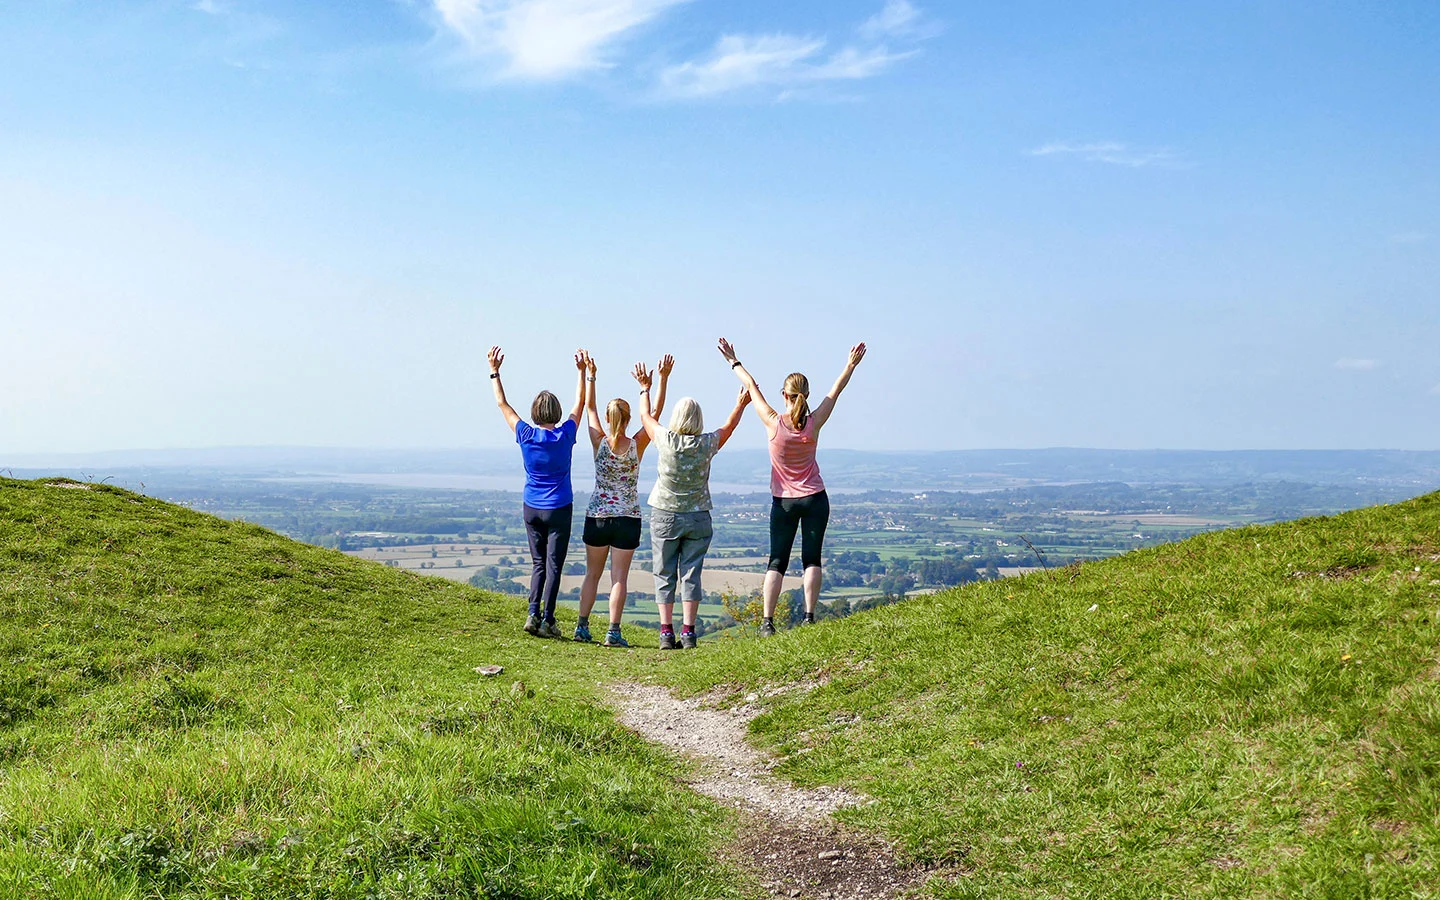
(509, 483)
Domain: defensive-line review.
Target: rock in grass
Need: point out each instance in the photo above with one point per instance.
(489, 671)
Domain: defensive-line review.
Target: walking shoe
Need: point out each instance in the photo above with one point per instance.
(582, 634)
(687, 640)
(767, 629)
(549, 630)
(613, 639)
(532, 625)
(667, 640)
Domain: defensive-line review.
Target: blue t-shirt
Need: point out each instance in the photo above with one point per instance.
(547, 463)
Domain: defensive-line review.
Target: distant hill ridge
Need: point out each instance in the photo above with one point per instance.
(853, 469)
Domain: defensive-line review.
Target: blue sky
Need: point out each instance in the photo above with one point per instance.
(245, 222)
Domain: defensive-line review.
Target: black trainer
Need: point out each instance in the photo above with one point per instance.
(767, 629)
(667, 640)
(687, 640)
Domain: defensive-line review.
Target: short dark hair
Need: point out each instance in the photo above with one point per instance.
(546, 409)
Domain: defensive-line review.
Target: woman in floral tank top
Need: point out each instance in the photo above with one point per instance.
(612, 521)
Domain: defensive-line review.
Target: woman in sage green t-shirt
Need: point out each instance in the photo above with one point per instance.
(680, 528)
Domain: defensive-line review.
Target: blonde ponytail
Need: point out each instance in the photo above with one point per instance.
(797, 411)
(617, 416)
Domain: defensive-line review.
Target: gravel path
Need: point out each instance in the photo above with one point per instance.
(788, 836)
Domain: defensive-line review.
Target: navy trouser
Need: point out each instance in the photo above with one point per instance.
(549, 533)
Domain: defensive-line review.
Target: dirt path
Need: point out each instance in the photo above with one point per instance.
(789, 837)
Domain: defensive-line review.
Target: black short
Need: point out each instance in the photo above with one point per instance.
(620, 532)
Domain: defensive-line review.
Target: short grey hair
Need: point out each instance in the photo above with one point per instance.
(687, 418)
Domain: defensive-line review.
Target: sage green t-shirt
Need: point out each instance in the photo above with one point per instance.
(683, 481)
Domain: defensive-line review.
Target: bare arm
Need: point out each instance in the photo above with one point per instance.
(822, 412)
(496, 356)
(597, 426)
(582, 359)
(733, 421)
(647, 417)
(767, 413)
(642, 437)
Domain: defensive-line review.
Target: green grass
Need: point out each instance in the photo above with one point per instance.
(1218, 725)
(197, 708)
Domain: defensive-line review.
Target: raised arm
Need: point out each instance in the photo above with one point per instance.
(496, 356)
(647, 416)
(733, 421)
(582, 359)
(822, 412)
(642, 436)
(767, 413)
(597, 425)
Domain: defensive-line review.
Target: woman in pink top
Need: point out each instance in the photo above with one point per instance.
(799, 500)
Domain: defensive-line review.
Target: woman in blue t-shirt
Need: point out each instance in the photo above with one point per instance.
(546, 448)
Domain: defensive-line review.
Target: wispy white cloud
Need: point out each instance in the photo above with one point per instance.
(1411, 237)
(1351, 364)
(775, 60)
(899, 19)
(788, 62)
(545, 39)
(1112, 152)
(209, 7)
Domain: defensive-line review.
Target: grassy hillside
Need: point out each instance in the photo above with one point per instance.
(1247, 713)
(198, 708)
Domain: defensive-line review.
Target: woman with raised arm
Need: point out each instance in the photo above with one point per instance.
(680, 528)
(612, 521)
(798, 500)
(546, 448)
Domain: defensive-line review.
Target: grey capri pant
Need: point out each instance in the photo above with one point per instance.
(679, 542)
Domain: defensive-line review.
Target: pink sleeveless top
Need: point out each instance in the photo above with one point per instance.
(793, 469)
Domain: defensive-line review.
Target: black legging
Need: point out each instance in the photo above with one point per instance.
(810, 515)
(549, 533)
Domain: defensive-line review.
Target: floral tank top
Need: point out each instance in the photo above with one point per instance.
(617, 483)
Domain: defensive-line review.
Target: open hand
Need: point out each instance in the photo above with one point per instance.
(581, 359)
(590, 365)
(496, 356)
(744, 398)
(857, 353)
(645, 378)
(667, 362)
(727, 350)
